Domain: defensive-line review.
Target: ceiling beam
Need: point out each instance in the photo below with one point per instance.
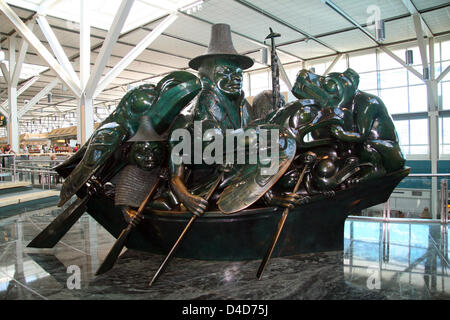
(413, 10)
(347, 17)
(443, 74)
(22, 54)
(331, 66)
(134, 53)
(284, 23)
(108, 44)
(57, 48)
(403, 63)
(26, 33)
(5, 72)
(5, 105)
(421, 40)
(38, 97)
(258, 43)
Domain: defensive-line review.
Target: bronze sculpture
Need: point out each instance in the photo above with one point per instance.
(351, 147)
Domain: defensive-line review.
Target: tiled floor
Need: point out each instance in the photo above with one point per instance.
(380, 261)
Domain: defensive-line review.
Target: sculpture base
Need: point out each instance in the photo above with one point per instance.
(314, 227)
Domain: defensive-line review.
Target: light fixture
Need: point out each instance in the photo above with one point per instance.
(2, 55)
(264, 56)
(380, 31)
(409, 57)
(426, 73)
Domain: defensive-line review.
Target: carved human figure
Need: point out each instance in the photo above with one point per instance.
(220, 105)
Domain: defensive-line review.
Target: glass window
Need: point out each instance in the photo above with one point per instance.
(413, 136)
(340, 66)
(402, 128)
(395, 100)
(393, 78)
(368, 81)
(445, 64)
(418, 98)
(363, 63)
(419, 136)
(386, 62)
(445, 50)
(245, 85)
(319, 68)
(374, 92)
(292, 73)
(413, 79)
(419, 132)
(259, 82)
(445, 95)
(444, 135)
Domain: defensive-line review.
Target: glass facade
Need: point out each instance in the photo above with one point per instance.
(404, 94)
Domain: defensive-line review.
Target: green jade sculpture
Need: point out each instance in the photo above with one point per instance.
(335, 143)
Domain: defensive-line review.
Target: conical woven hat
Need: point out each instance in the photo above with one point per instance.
(221, 45)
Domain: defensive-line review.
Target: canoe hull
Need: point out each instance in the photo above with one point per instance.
(314, 227)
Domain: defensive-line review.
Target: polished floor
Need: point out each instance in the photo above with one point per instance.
(381, 261)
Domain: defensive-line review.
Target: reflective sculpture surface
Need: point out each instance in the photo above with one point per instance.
(328, 151)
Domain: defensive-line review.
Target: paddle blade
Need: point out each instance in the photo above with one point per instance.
(50, 236)
(115, 251)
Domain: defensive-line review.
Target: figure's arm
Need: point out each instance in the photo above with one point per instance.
(195, 204)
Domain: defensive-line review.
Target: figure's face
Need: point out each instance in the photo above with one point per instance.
(147, 155)
(330, 91)
(228, 77)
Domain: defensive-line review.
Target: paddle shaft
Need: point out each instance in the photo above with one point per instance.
(115, 251)
(183, 233)
(269, 252)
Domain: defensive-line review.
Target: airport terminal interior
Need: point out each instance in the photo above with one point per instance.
(70, 77)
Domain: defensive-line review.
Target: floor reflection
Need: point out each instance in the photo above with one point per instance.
(407, 259)
(379, 261)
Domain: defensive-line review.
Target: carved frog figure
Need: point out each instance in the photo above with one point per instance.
(366, 125)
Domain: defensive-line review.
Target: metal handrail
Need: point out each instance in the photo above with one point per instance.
(428, 175)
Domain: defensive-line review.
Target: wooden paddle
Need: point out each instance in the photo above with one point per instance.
(183, 233)
(269, 252)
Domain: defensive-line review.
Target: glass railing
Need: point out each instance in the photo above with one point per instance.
(35, 169)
